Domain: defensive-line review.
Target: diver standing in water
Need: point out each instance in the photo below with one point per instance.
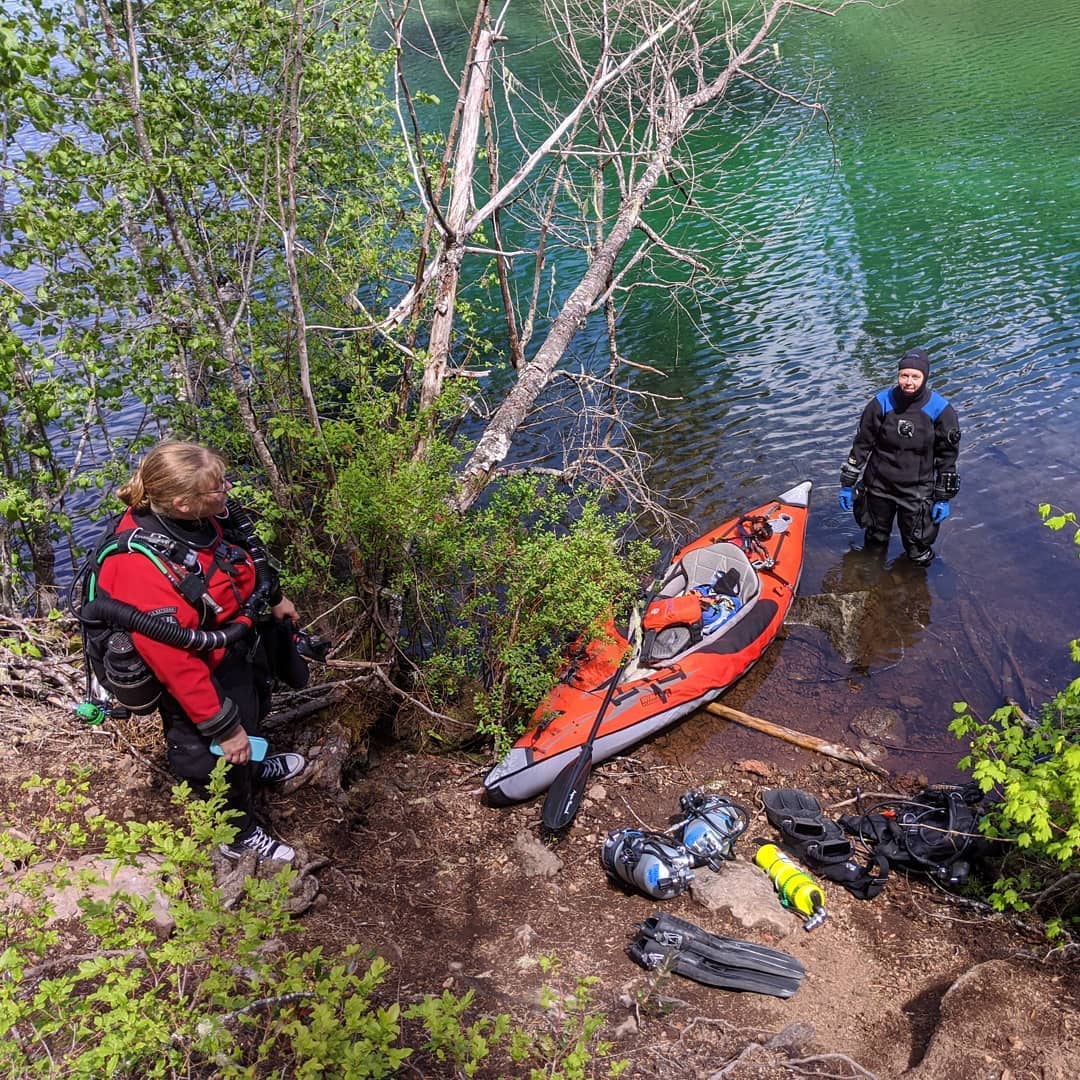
(905, 452)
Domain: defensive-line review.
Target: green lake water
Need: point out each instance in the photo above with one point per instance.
(944, 212)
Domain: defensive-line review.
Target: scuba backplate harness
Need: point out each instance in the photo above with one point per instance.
(935, 832)
(112, 661)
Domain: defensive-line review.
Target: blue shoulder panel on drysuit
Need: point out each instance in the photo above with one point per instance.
(935, 406)
(885, 401)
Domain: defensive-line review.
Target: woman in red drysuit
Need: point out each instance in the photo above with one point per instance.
(217, 574)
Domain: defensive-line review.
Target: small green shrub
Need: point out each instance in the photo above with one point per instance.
(1034, 771)
(570, 1047)
(1035, 775)
(450, 1039)
(498, 595)
(211, 998)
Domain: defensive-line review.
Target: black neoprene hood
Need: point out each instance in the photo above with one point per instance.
(916, 360)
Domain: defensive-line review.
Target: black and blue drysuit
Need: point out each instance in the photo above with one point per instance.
(905, 450)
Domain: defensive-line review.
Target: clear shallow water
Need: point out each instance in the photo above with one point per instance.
(945, 213)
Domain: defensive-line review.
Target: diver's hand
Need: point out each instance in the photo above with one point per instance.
(285, 609)
(236, 749)
(847, 496)
(939, 512)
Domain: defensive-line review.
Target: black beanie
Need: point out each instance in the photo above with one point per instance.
(916, 360)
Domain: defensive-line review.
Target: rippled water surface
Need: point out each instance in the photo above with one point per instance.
(944, 212)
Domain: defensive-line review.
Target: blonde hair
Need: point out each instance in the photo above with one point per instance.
(173, 470)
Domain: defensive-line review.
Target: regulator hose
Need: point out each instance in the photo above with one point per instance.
(265, 577)
(117, 614)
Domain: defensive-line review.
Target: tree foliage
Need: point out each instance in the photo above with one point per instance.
(190, 192)
(539, 569)
(215, 229)
(1033, 767)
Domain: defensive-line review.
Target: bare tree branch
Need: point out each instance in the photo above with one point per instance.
(641, 77)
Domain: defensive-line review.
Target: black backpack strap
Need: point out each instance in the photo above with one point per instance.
(863, 882)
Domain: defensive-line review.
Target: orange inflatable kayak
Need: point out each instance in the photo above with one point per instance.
(721, 602)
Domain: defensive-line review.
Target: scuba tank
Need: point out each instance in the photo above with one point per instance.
(797, 889)
(127, 675)
(713, 824)
(648, 862)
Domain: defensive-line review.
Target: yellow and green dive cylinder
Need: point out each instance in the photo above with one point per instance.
(797, 889)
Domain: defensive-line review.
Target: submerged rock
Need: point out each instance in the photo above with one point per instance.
(840, 616)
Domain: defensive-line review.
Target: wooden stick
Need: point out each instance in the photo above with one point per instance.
(798, 738)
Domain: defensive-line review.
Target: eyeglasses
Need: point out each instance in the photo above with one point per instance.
(223, 490)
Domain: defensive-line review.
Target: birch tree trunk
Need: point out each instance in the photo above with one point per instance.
(461, 203)
(638, 101)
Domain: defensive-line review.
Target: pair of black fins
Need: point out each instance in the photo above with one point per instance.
(821, 844)
(671, 944)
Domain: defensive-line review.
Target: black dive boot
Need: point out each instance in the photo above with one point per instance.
(821, 844)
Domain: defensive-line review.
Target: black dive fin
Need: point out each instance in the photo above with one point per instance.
(710, 972)
(686, 949)
(786, 803)
(670, 931)
(805, 828)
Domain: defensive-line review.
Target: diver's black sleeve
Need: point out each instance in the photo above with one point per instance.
(865, 440)
(946, 453)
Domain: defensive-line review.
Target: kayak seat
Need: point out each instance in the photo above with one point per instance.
(702, 566)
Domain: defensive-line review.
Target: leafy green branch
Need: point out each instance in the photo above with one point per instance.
(209, 997)
(1033, 768)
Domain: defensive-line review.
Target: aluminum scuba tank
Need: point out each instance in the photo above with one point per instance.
(648, 861)
(797, 889)
(713, 824)
(127, 675)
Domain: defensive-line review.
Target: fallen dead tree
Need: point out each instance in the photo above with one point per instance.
(39, 661)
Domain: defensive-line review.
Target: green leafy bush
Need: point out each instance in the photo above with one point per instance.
(465, 1046)
(1033, 768)
(211, 999)
(498, 595)
(208, 997)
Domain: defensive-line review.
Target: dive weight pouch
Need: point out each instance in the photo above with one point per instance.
(287, 662)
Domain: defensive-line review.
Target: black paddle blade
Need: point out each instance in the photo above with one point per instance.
(563, 799)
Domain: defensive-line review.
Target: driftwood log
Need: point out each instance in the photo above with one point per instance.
(799, 738)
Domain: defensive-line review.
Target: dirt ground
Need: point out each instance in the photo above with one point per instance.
(912, 984)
